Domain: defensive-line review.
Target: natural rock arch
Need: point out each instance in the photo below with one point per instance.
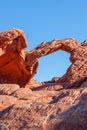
(77, 72)
(19, 67)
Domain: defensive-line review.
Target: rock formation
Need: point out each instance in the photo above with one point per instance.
(77, 72)
(13, 68)
(17, 66)
(24, 109)
(47, 105)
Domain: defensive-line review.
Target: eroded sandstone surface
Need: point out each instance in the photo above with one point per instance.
(44, 109)
(26, 104)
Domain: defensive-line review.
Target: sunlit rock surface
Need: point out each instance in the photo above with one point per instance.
(26, 104)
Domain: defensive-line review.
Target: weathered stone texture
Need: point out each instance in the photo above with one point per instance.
(63, 109)
(47, 105)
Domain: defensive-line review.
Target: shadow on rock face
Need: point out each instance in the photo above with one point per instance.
(75, 118)
(6, 110)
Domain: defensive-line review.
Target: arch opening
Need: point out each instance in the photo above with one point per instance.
(53, 65)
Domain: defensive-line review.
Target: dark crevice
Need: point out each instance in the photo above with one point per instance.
(6, 63)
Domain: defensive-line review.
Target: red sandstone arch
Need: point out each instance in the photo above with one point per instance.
(19, 67)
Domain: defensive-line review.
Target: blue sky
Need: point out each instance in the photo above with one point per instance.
(45, 20)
